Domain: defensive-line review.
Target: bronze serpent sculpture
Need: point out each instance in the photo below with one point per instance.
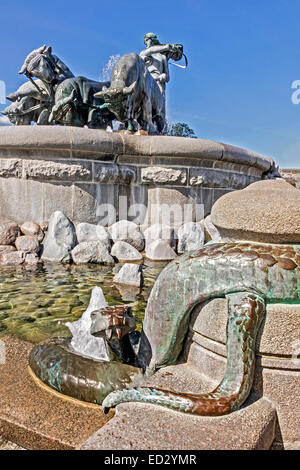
(81, 377)
(249, 275)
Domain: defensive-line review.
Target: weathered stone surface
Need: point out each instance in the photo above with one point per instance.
(90, 232)
(190, 237)
(44, 225)
(32, 259)
(217, 179)
(28, 244)
(169, 206)
(266, 211)
(211, 232)
(160, 232)
(128, 232)
(160, 251)
(33, 229)
(139, 426)
(92, 252)
(60, 238)
(10, 168)
(130, 275)
(34, 417)
(97, 144)
(6, 248)
(9, 231)
(125, 252)
(50, 170)
(73, 180)
(13, 258)
(161, 175)
(292, 177)
(114, 174)
(7, 445)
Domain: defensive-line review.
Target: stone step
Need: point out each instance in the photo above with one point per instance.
(37, 418)
(150, 427)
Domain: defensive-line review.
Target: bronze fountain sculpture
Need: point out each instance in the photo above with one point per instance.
(248, 274)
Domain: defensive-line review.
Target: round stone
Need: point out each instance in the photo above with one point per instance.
(267, 211)
(33, 229)
(9, 231)
(28, 244)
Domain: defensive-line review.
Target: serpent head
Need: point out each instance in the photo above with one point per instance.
(112, 322)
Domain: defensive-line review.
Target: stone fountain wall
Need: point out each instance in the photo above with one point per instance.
(43, 169)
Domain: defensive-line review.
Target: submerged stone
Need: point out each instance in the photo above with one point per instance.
(130, 275)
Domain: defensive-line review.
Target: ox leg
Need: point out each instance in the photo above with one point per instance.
(147, 117)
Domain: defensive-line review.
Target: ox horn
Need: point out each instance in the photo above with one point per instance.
(23, 69)
(129, 89)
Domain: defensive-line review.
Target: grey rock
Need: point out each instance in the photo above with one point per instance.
(13, 258)
(32, 259)
(49, 170)
(160, 232)
(160, 250)
(44, 226)
(33, 229)
(130, 275)
(10, 168)
(125, 252)
(7, 248)
(114, 174)
(9, 231)
(60, 239)
(211, 232)
(28, 244)
(89, 232)
(92, 252)
(128, 232)
(161, 175)
(190, 237)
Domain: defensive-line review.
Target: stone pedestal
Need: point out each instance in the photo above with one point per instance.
(95, 176)
(277, 375)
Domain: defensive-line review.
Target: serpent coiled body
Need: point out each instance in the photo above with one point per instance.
(249, 275)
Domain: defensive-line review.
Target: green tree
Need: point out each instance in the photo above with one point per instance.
(181, 129)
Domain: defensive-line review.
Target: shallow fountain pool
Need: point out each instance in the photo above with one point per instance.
(35, 303)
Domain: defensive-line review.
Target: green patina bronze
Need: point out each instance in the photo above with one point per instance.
(59, 366)
(249, 275)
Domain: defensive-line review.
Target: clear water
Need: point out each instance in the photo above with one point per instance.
(36, 302)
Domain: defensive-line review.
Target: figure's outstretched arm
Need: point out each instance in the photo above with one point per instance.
(160, 48)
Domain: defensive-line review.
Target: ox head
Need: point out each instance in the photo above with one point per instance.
(112, 322)
(39, 64)
(116, 100)
(17, 112)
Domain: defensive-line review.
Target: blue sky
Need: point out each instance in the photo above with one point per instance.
(243, 55)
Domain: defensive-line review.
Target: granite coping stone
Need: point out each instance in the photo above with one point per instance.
(149, 427)
(74, 141)
(35, 417)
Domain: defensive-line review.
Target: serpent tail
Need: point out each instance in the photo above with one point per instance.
(245, 313)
